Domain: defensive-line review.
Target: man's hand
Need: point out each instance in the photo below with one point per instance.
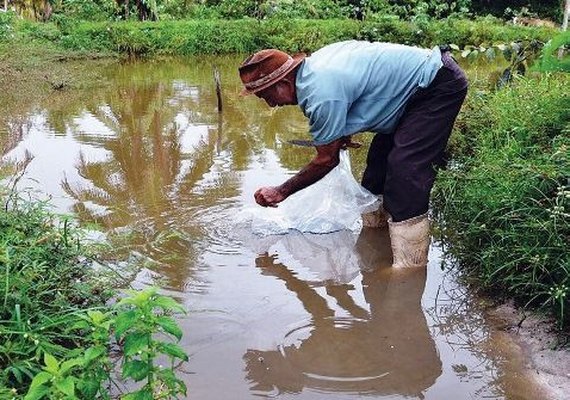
(268, 196)
(326, 159)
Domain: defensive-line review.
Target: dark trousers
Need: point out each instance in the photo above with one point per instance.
(402, 166)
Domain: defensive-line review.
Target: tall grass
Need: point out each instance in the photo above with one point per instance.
(44, 286)
(56, 328)
(246, 35)
(505, 203)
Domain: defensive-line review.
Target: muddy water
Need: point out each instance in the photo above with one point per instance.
(149, 158)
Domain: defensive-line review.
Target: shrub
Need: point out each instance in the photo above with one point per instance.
(55, 324)
(6, 24)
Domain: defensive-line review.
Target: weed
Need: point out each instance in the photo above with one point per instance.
(55, 324)
(504, 205)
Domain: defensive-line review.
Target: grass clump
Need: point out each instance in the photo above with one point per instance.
(57, 327)
(505, 203)
(44, 287)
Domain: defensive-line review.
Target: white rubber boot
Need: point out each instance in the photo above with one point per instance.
(376, 219)
(410, 242)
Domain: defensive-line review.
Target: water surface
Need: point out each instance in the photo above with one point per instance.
(149, 157)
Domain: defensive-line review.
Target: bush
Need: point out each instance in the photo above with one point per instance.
(56, 326)
(505, 206)
(6, 24)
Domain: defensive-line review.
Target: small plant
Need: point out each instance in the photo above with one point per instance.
(140, 317)
(56, 380)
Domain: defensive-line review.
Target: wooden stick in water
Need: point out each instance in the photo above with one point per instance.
(218, 88)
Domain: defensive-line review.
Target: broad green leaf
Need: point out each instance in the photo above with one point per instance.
(143, 394)
(67, 365)
(93, 352)
(36, 393)
(51, 363)
(88, 388)
(136, 369)
(169, 326)
(66, 386)
(96, 316)
(168, 304)
(40, 379)
(135, 342)
(137, 298)
(80, 325)
(124, 321)
(173, 350)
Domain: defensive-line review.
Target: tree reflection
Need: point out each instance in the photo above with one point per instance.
(385, 349)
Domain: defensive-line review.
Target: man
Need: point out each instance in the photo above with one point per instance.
(408, 96)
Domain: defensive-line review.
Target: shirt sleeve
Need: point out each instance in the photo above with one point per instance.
(327, 121)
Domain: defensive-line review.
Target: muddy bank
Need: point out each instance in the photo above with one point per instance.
(534, 340)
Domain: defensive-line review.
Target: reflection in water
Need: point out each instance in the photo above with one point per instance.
(385, 349)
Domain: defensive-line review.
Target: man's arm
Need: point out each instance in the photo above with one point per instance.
(326, 159)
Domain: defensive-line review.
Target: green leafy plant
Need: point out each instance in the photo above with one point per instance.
(55, 380)
(140, 316)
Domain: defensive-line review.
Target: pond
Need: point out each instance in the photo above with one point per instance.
(148, 159)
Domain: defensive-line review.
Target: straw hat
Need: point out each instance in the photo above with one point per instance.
(265, 68)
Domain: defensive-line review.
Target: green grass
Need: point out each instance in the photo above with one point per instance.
(56, 326)
(44, 288)
(217, 36)
(505, 204)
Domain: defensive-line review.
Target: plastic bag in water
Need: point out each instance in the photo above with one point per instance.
(334, 203)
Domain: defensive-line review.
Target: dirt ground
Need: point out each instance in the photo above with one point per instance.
(546, 354)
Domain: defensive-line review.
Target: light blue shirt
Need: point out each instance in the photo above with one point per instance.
(354, 86)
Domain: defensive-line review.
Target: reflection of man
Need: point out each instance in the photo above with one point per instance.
(408, 96)
(385, 349)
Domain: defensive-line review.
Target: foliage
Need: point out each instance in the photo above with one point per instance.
(55, 326)
(510, 8)
(423, 10)
(37, 305)
(246, 35)
(141, 315)
(505, 204)
(86, 10)
(549, 60)
(136, 320)
(6, 25)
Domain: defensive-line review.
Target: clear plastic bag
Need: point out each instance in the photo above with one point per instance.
(334, 203)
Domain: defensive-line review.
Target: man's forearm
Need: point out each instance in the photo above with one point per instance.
(310, 174)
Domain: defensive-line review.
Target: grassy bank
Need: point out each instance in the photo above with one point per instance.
(246, 35)
(57, 327)
(505, 204)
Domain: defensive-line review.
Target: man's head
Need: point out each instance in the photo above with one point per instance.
(270, 74)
